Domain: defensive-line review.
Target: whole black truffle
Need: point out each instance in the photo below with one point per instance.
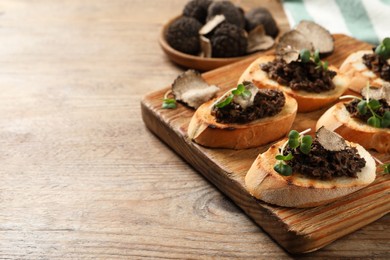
(228, 40)
(197, 9)
(183, 36)
(262, 16)
(233, 14)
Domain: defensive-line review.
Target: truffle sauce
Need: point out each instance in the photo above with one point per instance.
(323, 164)
(300, 75)
(266, 103)
(353, 111)
(378, 65)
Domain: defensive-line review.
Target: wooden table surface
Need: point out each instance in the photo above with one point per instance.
(80, 175)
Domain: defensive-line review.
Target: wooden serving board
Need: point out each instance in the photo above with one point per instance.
(297, 230)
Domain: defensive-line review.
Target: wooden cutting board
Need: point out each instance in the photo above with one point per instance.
(297, 230)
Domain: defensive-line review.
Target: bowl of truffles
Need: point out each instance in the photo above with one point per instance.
(210, 34)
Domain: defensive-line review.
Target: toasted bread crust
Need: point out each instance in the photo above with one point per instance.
(299, 191)
(204, 129)
(307, 101)
(359, 74)
(338, 119)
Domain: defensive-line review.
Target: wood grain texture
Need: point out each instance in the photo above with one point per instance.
(81, 177)
(297, 230)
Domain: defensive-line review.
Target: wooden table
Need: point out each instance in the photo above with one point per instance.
(80, 175)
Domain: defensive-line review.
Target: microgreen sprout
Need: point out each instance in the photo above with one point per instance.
(306, 56)
(295, 140)
(225, 102)
(168, 103)
(227, 98)
(384, 166)
(371, 105)
(383, 49)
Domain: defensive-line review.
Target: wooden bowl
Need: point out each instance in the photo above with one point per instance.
(192, 61)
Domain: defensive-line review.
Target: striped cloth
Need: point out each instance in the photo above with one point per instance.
(367, 20)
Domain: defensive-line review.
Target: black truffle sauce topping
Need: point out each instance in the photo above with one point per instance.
(323, 164)
(300, 75)
(266, 103)
(378, 65)
(353, 110)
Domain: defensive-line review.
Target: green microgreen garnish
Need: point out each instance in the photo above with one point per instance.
(283, 169)
(241, 90)
(295, 140)
(383, 49)
(306, 143)
(369, 104)
(306, 56)
(168, 103)
(287, 157)
(384, 166)
(226, 100)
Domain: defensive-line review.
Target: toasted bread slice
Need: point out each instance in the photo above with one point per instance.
(264, 183)
(359, 74)
(338, 119)
(206, 131)
(307, 101)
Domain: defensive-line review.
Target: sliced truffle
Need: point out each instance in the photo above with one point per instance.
(212, 24)
(228, 40)
(290, 44)
(191, 89)
(307, 35)
(378, 93)
(205, 45)
(261, 16)
(321, 38)
(245, 102)
(183, 36)
(197, 9)
(330, 140)
(233, 14)
(258, 40)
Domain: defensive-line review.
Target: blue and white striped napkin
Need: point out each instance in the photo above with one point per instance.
(366, 20)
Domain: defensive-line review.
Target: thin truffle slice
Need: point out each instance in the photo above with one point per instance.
(191, 89)
(321, 38)
(205, 46)
(290, 44)
(307, 35)
(330, 140)
(378, 93)
(212, 24)
(258, 40)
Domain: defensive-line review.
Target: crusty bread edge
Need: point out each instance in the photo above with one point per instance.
(338, 119)
(265, 184)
